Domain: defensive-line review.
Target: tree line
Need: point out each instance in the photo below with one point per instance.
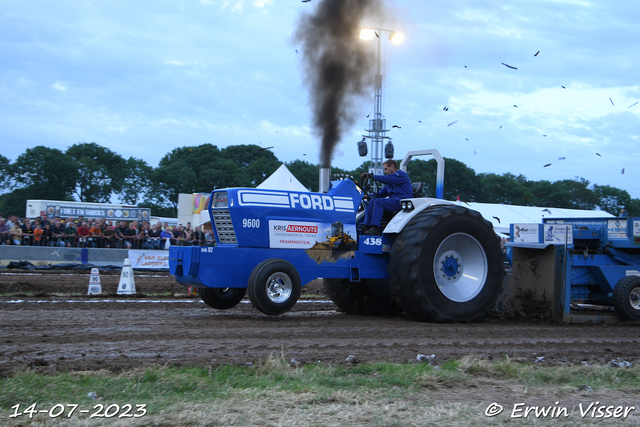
(88, 172)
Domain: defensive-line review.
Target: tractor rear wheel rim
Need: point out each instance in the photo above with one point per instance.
(460, 267)
(634, 298)
(279, 287)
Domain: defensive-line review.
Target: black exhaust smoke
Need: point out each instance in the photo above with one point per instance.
(339, 69)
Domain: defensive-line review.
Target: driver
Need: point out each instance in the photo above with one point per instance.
(398, 186)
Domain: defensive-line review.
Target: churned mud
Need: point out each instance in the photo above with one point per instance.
(48, 323)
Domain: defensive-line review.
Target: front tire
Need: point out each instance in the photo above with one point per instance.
(222, 298)
(446, 265)
(626, 297)
(358, 298)
(274, 286)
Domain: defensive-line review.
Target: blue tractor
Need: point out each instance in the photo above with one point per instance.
(435, 260)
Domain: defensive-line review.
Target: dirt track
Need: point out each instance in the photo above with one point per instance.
(162, 325)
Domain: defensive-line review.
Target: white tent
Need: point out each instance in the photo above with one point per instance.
(503, 215)
(282, 179)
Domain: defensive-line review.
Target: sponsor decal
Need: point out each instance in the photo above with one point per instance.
(617, 229)
(558, 234)
(149, 259)
(525, 233)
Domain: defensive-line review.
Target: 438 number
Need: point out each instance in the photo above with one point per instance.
(373, 241)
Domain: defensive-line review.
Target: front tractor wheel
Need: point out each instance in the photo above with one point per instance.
(626, 297)
(446, 265)
(222, 298)
(274, 286)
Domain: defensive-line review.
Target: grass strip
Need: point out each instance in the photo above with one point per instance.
(276, 392)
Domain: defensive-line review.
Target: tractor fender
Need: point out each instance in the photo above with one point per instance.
(398, 222)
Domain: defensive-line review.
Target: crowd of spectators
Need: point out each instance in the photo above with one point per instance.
(99, 233)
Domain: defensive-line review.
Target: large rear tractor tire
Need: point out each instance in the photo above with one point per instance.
(359, 298)
(446, 265)
(626, 297)
(274, 286)
(222, 298)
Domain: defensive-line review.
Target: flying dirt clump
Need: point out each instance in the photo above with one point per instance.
(339, 70)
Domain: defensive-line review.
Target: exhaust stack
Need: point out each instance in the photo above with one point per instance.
(325, 180)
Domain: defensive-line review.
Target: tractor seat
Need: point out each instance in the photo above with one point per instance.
(417, 187)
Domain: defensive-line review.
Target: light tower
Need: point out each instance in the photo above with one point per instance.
(377, 125)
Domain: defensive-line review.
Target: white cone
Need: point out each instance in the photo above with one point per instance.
(94, 283)
(127, 286)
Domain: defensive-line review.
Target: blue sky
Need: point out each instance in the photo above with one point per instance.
(145, 77)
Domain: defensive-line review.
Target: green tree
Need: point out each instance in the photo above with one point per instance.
(47, 173)
(4, 171)
(38, 173)
(633, 207)
(101, 172)
(203, 168)
(573, 194)
(251, 164)
(136, 182)
(305, 172)
(506, 189)
(540, 190)
(611, 199)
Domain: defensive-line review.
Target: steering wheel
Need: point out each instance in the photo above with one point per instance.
(367, 184)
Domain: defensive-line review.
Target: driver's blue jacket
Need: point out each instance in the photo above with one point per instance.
(398, 185)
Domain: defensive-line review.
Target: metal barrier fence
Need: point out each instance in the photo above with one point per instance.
(129, 242)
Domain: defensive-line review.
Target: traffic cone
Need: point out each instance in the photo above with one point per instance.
(127, 286)
(94, 283)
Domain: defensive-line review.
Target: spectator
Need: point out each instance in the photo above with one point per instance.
(4, 232)
(12, 220)
(57, 234)
(155, 235)
(131, 236)
(45, 238)
(37, 236)
(83, 235)
(209, 238)
(16, 234)
(167, 237)
(143, 236)
(119, 236)
(178, 236)
(69, 234)
(108, 236)
(95, 235)
(27, 232)
(197, 237)
(44, 220)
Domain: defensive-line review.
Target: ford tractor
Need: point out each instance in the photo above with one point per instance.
(435, 260)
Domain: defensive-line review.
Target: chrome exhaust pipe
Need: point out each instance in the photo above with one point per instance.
(325, 180)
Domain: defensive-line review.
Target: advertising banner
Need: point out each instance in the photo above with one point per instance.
(149, 259)
(114, 213)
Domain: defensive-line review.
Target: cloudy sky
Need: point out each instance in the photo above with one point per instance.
(145, 77)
